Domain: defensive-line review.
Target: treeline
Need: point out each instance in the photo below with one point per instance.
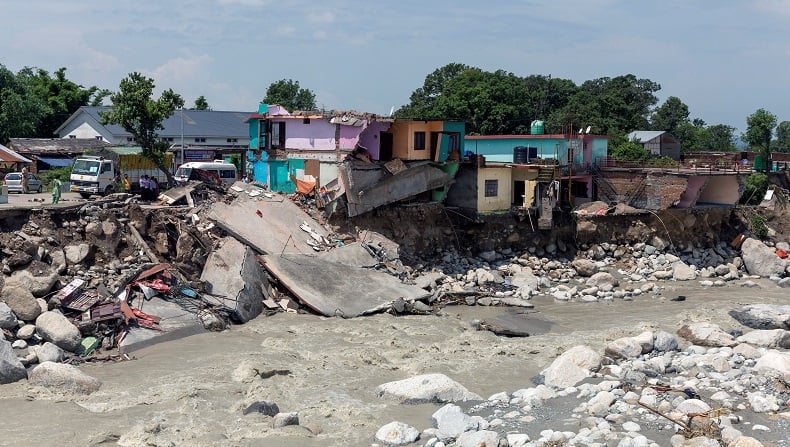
(500, 102)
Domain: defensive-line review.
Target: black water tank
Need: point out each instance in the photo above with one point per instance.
(520, 155)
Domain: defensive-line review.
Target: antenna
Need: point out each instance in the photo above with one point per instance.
(581, 129)
(589, 128)
(392, 110)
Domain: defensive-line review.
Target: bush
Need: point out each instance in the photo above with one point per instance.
(630, 151)
(759, 228)
(62, 173)
(756, 185)
(662, 162)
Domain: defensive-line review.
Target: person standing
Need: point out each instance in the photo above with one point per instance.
(143, 182)
(24, 180)
(56, 191)
(127, 185)
(154, 187)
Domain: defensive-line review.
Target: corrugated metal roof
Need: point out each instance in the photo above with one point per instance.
(643, 136)
(196, 123)
(56, 162)
(10, 156)
(55, 145)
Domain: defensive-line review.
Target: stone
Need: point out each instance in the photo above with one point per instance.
(397, 434)
(26, 332)
(48, 352)
(603, 280)
(21, 301)
(429, 280)
(76, 254)
(599, 405)
(683, 272)
(570, 368)
(233, 272)
(689, 406)
(426, 388)
(263, 407)
(451, 421)
(477, 439)
(665, 342)
(774, 360)
(761, 260)
(585, 267)
(7, 317)
(762, 403)
(11, 369)
(706, 334)
(623, 348)
(19, 344)
(58, 261)
(763, 316)
(285, 419)
(769, 338)
(53, 327)
(39, 286)
(745, 441)
(63, 376)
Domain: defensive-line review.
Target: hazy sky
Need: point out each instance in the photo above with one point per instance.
(723, 58)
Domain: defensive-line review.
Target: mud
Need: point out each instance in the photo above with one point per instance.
(193, 391)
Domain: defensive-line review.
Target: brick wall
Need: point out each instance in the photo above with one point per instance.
(652, 191)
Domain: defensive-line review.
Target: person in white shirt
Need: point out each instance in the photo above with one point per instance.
(144, 187)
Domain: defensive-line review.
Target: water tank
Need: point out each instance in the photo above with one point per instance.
(536, 128)
(520, 155)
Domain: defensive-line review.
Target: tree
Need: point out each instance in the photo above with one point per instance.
(288, 94)
(783, 137)
(201, 103)
(422, 102)
(721, 138)
(21, 110)
(140, 115)
(670, 115)
(631, 151)
(62, 97)
(759, 129)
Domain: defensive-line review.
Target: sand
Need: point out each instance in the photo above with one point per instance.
(192, 391)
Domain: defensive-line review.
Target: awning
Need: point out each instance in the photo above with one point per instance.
(56, 162)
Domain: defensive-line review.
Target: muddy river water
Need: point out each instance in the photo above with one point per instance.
(192, 391)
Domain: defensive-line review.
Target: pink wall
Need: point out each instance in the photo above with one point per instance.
(370, 137)
(689, 197)
(349, 135)
(318, 135)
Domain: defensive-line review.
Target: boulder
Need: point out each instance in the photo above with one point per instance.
(706, 334)
(37, 285)
(665, 342)
(570, 368)
(55, 328)
(426, 388)
(63, 376)
(774, 360)
(585, 267)
(623, 348)
(603, 280)
(21, 301)
(7, 317)
(478, 439)
(450, 421)
(26, 332)
(397, 433)
(760, 259)
(11, 369)
(683, 272)
(428, 281)
(745, 441)
(769, 338)
(58, 261)
(48, 352)
(763, 316)
(263, 407)
(75, 254)
(285, 419)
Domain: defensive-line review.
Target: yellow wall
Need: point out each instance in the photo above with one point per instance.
(504, 195)
(527, 176)
(403, 138)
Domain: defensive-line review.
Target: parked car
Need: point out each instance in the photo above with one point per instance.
(14, 182)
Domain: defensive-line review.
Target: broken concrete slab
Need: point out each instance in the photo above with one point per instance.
(352, 254)
(371, 187)
(175, 323)
(269, 225)
(335, 289)
(234, 278)
(516, 323)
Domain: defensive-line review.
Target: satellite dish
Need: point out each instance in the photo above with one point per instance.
(580, 130)
(589, 128)
(392, 110)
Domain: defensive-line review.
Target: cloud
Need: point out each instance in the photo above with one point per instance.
(180, 69)
(321, 17)
(774, 6)
(256, 3)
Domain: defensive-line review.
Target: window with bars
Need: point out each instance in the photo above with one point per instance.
(491, 188)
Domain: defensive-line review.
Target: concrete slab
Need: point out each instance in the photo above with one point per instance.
(175, 323)
(352, 254)
(269, 225)
(234, 278)
(517, 323)
(335, 289)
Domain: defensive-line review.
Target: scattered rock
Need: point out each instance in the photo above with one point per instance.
(21, 301)
(63, 376)
(426, 388)
(11, 369)
(397, 434)
(53, 327)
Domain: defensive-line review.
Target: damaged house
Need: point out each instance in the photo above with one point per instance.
(366, 160)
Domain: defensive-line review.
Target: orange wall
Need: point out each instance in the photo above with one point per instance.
(403, 138)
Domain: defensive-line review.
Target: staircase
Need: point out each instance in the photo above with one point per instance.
(546, 174)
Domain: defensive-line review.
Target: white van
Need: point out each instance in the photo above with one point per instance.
(226, 172)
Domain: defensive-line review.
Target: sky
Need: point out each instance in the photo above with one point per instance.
(723, 58)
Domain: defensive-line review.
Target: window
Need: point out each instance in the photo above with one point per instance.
(129, 139)
(200, 139)
(98, 137)
(419, 141)
(492, 188)
(306, 121)
(227, 173)
(106, 167)
(278, 135)
(232, 140)
(169, 139)
(72, 136)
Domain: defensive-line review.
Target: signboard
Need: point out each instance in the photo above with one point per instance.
(198, 155)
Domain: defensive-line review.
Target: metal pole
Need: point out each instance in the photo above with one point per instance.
(182, 134)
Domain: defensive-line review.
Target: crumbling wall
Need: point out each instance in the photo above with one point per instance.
(651, 191)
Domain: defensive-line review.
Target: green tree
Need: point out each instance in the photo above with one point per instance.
(759, 129)
(755, 188)
(201, 103)
(422, 102)
(62, 97)
(140, 115)
(21, 110)
(670, 115)
(783, 137)
(631, 151)
(721, 138)
(288, 94)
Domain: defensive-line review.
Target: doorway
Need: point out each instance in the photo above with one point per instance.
(385, 146)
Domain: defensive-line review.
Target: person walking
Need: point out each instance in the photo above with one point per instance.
(127, 185)
(24, 180)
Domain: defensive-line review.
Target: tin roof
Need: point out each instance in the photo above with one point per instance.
(10, 156)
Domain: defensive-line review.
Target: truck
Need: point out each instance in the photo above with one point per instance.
(99, 173)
